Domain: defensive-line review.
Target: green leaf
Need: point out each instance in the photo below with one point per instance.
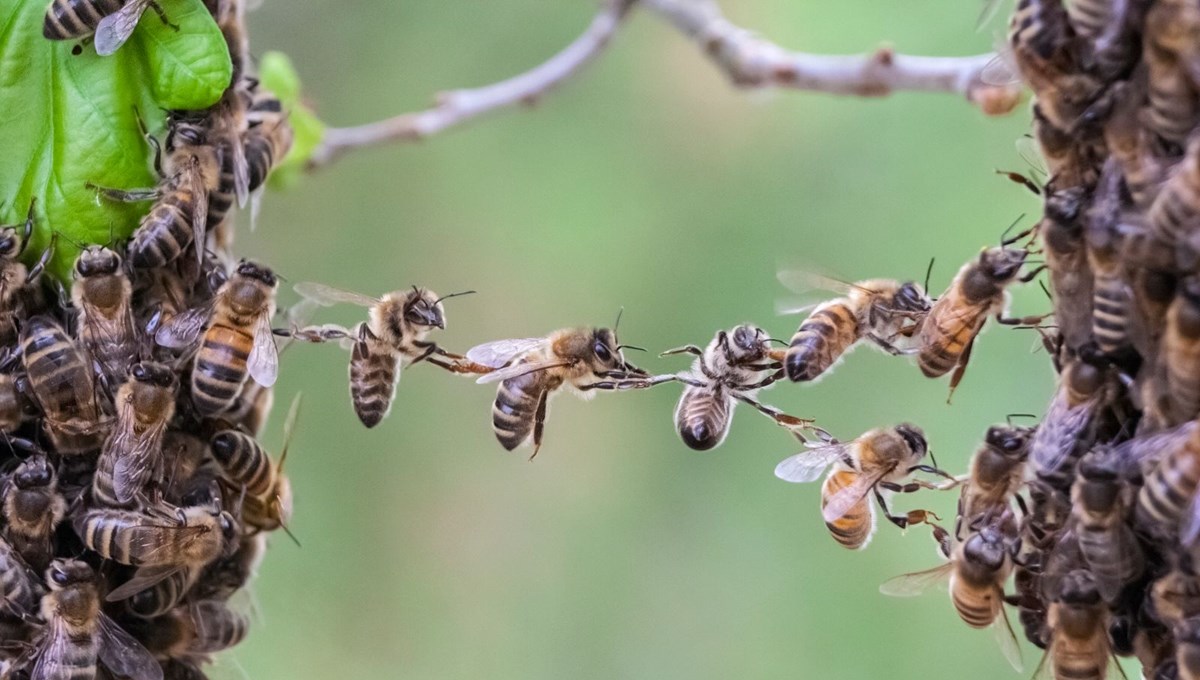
(277, 74)
(67, 119)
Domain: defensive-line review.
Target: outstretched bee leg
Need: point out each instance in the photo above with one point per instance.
(539, 422)
(461, 366)
(686, 349)
(783, 419)
(126, 195)
(912, 516)
(961, 368)
(36, 271)
(626, 383)
(890, 348)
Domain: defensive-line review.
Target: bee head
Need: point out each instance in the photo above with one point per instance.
(423, 308)
(747, 342)
(253, 270)
(911, 298)
(914, 437)
(986, 548)
(153, 373)
(97, 261)
(604, 349)
(1002, 264)
(34, 473)
(1078, 588)
(64, 573)
(1098, 465)
(1009, 440)
(229, 528)
(184, 130)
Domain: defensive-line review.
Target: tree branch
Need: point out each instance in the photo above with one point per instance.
(747, 59)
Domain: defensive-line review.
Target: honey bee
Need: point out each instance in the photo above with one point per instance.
(883, 312)
(237, 341)
(1112, 297)
(78, 633)
(115, 28)
(977, 571)
(978, 291)
(1177, 207)
(1181, 351)
(189, 172)
(225, 576)
(1187, 650)
(1100, 503)
(1071, 279)
(1171, 30)
(393, 337)
(268, 136)
(1126, 142)
(1078, 622)
(1165, 504)
(32, 509)
(878, 463)
(102, 294)
(734, 366)
(63, 385)
(1072, 161)
(20, 589)
(12, 400)
(14, 276)
(267, 500)
(1175, 596)
(229, 126)
(163, 596)
(530, 370)
(1065, 430)
(193, 630)
(996, 474)
(135, 538)
(132, 455)
(73, 19)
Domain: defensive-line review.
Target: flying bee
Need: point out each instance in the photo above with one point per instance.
(878, 463)
(977, 571)
(1066, 428)
(132, 455)
(1112, 297)
(393, 337)
(996, 474)
(237, 341)
(20, 588)
(1078, 622)
(978, 291)
(1166, 506)
(882, 312)
(32, 509)
(267, 503)
(102, 294)
(1181, 352)
(61, 381)
(78, 633)
(1100, 504)
(530, 370)
(734, 366)
(189, 172)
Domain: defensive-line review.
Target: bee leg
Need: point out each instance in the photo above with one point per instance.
(890, 348)
(461, 366)
(37, 269)
(765, 382)
(161, 14)
(960, 369)
(126, 196)
(686, 349)
(424, 355)
(539, 422)
(781, 418)
(28, 226)
(911, 517)
(935, 471)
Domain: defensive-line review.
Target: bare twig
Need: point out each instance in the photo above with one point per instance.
(459, 106)
(747, 59)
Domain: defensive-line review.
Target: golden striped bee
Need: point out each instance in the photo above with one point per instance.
(235, 336)
(114, 29)
(997, 472)
(1100, 503)
(883, 312)
(1112, 296)
(877, 463)
(977, 571)
(74, 19)
(32, 509)
(393, 337)
(268, 136)
(1176, 208)
(78, 634)
(1065, 431)
(1166, 506)
(132, 457)
(102, 295)
(732, 368)
(1170, 32)
(162, 597)
(530, 370)
(1078, 620)
(62, 382)
(20, 588)
(267, 500)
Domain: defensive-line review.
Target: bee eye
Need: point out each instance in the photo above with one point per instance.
(602, 352)
(59, 576)
(138, 372)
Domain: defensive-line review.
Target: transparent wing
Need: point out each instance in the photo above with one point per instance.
(143, 578)
(114, 29)
(1153, 447)
(1058, 433)
(183, 330)
(1027, 149)
(199, 209)
(123, 655)
(917, 582)
(1002, 630)
(1001, 71)
(328, 295)
(500, 352)
(801, 281)
(52, 651)
(1190, 528)
(847, 497)
(136, 465)
(241, 170)
(263, 362)
(807, 466)
(519, 370)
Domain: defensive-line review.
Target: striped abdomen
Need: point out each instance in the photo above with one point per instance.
(30, 516)
(821, 340)
(1167, 493)
(374, 372)
(162, 597)
(111, 342)
(515, 408)
(1176, 210)
(217, 627)
(1172, 104)
(1181, 356)
(244, 462)
(702, 417)
(76, 659)
(70, 19)
(853, 529)
(103, 485)
(220, 199)
(18, 591)
(1112, 555)
(262, 151)
(1111, 308)
(11, 407)
(976, 605)
(1090, 17)
(946, 332)
(165, 232)
(62, 382)
(1080, 659)
(220, 368)
(1175, 597)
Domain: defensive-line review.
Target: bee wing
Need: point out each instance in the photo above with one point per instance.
(263, 362)
(114, 29)
(241, 169)
(519, 370)
(846, 498)
(199, 209)
(183, 330)
(1058, 434)
(807, 466)
(328, 295)
(122, 654)
(500, 352)
(1128, 560)
(1028, 150)
(135, 466)
(142, 579)
(1189, 530)
(802, 281)
(51, 651)
(917, 582)
(1000, 71)
(1005, 637)
(1153, 447)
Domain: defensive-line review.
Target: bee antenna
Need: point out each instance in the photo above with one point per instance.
(621, 347)
(933, 459)
(1009, 417)
(928, 271)
(290, 535)
(289, 427)
(465, 292)
(1004, 240)
(782, 342)
(78, 244)
(618, 322)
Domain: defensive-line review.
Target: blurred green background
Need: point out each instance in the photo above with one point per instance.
(648, 183)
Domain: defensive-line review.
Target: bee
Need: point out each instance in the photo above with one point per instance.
(268, 137)
(734, 366)
(1072, 161)
(32, 509)
(978, 291)
(189, 172)
(190, 631)
(1175, 596)
(237, 341)
(393, 337)
(1165, 504)
(267, 500)
(1112, 297)
(1071, 278)
(15, 277)
(229, 573)
(102, 294)
(63, 385)
(878, 462)
(1171, 30)
(20, 588)
(1100, 503)
(530, 370)
(1187, 649)
(1078, 622)
(1066, 428)
(230, 16)
(1177, 207)
(1124, 137)
(132, 455)
(1181, 351)
(12, 400)
(78, 633)
(977, 571)
(197, 537)
(163, 596)
(883, 312)
(996, 474)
